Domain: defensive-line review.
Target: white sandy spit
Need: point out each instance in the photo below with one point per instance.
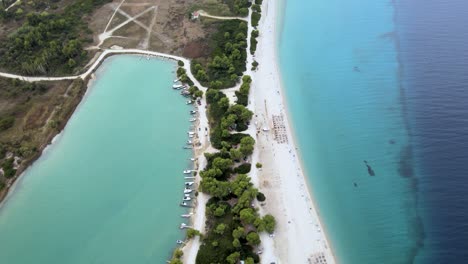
(299, 236)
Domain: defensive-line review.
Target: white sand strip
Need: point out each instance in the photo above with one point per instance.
(299, 237)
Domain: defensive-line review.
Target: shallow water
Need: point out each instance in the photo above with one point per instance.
(107, 191)
(340, 68)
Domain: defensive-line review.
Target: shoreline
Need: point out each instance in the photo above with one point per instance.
(294, 137)
(88, 77)
(51, 139)
(268, 51)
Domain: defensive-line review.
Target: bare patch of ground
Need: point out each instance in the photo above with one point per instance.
(157, 25)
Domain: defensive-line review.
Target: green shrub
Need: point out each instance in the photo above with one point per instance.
(8, 169)
(255, 18)
(270, 223)
(243, 168)
(191, 233)
(258, 165)
(261, 197)
(256, 8)
(6, 122)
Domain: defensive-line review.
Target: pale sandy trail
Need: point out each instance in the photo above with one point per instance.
(101, 57)
(204, 14)
(113, 14)
(299, 237)
(12, 5)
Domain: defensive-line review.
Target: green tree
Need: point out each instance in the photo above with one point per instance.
(222, 164)
(198, 94)
(259, 224)
(247, 145)
(243, 114)
(71, 63)
(253, 238)
(220, 229)
(201, 75)
(72, 48)
(240, 184)
(235, 154)
(238, 232)
(236, 243)
(191, 233)
(247, 215)
(249, 260)
(233, 258)
(270, 223)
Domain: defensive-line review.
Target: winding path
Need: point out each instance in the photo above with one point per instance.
(107, 52)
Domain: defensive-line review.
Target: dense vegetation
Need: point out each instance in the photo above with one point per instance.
(232, 221)
(253, 41)
(223, 7)
(49, 43)
(239, 7)
(256, 14)
(243, 93)
(227, 59)
(30, 115)
(224, 119)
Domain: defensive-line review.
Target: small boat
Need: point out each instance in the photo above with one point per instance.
(193, 112)
(177, 86)
(188, 147)
(190, 136)
(176, 80)
(187, 171)
(191, 133)
(193, 119)
(189, 183)
(187, 194)
(187, 198)
(186, 215)
(193, 159)
(187, 191)
(184, 204)
(180, 242)
(189, 102)
(189, 142)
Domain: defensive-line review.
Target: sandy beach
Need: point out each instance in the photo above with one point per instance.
(300, 237)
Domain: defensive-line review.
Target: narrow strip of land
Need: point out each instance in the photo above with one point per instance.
(98, 61)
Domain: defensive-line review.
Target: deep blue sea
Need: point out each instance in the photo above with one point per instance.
(377, 92)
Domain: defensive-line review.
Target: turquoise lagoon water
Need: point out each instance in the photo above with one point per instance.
(340, 68)
(108, 189)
